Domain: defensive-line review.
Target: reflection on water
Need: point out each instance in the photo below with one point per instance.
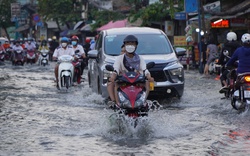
(37, 119)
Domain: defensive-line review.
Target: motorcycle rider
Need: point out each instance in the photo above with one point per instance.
(78, 47)
(2, 47)
(53, 45)
(129, 61)
(230, 46)
(63, 49)
(243, 55)
(43, 46)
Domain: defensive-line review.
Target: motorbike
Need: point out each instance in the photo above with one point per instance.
(77, 68)
(18, 58)
(8, 54)
(65, 71)
(131, 94)
(31, 56)
(213, 67)
(241, 92)
(44, 57)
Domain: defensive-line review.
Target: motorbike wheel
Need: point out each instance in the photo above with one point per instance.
(233, 101)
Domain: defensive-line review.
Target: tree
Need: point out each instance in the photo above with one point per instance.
(63, 11)
(5, 15)
(157, 12)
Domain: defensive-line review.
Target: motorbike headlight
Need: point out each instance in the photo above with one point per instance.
(141, 100)
(124, 102)
(65, 58)
(121, 97)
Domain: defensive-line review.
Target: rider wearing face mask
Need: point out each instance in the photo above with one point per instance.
(63, 49)
(78, 49)
(129, 61)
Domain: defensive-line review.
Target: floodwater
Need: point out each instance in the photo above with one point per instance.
(37, 119)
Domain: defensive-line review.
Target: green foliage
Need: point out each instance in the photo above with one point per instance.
(62, 10)
(158, 11)
(5, 13)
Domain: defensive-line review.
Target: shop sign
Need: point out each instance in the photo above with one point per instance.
(220, 24)
(180, 40)
(238, 22)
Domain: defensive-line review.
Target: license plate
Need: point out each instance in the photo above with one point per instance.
(246, 93)
(151, 86)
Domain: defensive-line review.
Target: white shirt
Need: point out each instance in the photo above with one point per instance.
(120, 68)
(30, 46)
(17, 48)
(80, 48)
(59, 51)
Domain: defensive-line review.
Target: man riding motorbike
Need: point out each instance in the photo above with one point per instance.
(243, 55)
(76, 47)
(129, 61)
(229, 47)
(63, 49)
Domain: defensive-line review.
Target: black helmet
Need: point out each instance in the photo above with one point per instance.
(130, 38)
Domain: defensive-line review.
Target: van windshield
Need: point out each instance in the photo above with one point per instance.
(149, 44)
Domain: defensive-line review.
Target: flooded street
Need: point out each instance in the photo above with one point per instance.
(37, 119)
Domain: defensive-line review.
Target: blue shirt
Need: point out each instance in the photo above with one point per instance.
(243, 55)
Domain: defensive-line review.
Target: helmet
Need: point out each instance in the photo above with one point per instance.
(54, 37)
(87, 40)
(130, 38)
(64, 39)
(74, 38)
(245, 38)
(231, 36)
(49, 39)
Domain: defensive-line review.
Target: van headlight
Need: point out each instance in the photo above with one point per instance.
(176, 75)
(106, 75)
(176, 72)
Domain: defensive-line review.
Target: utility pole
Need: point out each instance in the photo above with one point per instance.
(199, 33)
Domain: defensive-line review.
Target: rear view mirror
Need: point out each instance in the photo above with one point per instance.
(109, 67)
(150, 65)
(180, 51)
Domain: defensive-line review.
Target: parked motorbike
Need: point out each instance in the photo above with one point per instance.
(18, 58)
(65, 71)
(132, 93)
(44, 57)
(213, 67)
(77, 68)
(31, 56)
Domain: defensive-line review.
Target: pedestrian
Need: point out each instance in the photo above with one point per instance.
(202, 53)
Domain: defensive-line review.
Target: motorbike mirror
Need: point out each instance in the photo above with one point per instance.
(109, 67)
(225, 52)
(150, 65)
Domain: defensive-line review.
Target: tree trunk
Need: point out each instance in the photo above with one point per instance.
(58, 25)
(6, 32)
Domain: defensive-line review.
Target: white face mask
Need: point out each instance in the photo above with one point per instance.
(130, 48)
(64, 45)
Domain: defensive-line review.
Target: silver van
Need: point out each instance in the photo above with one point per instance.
(154, 45)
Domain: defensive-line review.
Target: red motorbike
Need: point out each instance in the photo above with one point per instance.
(132, 93)
(77, 70)
(31, 56)
(18, 58)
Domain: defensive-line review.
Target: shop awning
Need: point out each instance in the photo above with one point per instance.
(78, 24)
(87, 27)
(111, 24)
(73, 32)
(22, 28)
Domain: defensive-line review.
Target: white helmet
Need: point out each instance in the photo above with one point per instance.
(49, 39)
(231, 36)
(245, 38)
